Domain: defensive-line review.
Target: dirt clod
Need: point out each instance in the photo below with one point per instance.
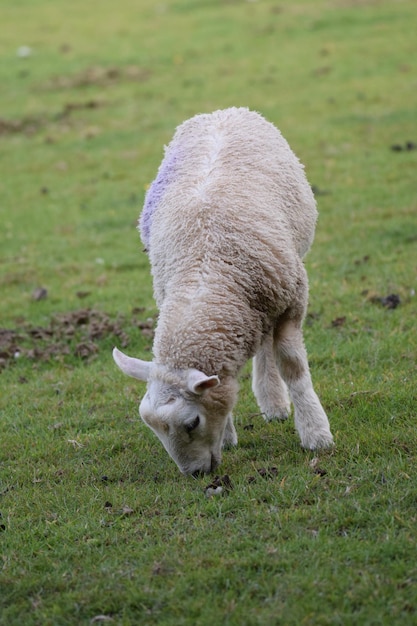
(270, 472)
(40, 293)
(85, 349)
(389, 302)
(248, 427)
(407, 146)
(218, 485)
(100, 76)
(339, 321)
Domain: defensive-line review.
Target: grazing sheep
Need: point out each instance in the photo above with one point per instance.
(226, 223)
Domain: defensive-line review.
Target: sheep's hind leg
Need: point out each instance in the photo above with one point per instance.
(267, 385)
(310, 419)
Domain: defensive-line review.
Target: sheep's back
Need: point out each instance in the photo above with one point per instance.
(229, 188)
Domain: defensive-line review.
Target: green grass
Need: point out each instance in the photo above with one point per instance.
(96, 521)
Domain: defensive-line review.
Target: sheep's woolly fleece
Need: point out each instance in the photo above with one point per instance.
(226, 223)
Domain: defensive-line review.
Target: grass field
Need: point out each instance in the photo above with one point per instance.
(97, 525)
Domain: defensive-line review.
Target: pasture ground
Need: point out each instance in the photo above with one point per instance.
(97, 525)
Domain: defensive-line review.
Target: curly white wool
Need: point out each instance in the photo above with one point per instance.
(226, 223)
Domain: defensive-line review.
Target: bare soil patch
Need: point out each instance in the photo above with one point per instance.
(75, 333)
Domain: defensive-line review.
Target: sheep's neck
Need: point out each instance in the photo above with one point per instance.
(212, 331)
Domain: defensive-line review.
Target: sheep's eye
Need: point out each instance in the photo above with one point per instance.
(192, 425)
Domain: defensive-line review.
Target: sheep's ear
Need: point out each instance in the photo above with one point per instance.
(132, 367)
(197, 382)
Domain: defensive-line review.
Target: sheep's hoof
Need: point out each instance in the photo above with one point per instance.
(279, 415)
(229, 443)
(318, 441)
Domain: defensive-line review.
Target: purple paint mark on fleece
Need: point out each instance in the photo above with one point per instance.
(164, 178)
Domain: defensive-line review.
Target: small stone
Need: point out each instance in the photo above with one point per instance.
(23, 52)
(213, 491)
(40, 293)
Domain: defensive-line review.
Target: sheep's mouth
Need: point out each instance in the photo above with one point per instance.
(214, 463)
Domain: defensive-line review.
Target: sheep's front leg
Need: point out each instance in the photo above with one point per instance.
(267, 385)
(310, 419)
(230, 434)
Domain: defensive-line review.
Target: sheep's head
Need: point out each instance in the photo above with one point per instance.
(188, 411)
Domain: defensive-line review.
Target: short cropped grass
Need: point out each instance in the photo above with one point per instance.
(97, 525)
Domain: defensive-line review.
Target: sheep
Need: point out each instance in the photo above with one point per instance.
(226, 223)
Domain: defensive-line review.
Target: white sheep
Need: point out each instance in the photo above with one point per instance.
(226, 223)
